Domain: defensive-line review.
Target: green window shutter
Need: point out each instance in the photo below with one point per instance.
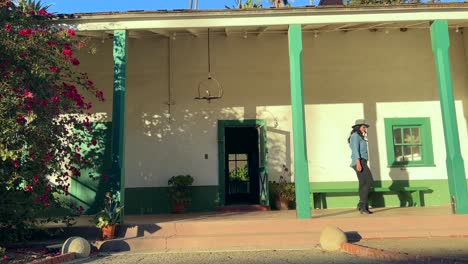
(409, 142)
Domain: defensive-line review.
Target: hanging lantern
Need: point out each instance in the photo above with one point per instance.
(209, 89)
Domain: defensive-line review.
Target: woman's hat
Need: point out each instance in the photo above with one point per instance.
(360, 122)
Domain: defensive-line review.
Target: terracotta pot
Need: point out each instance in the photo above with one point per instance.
(108, 232)
(282, 203)
(178, 207)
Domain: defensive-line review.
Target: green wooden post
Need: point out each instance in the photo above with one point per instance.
(301, 168)
(454, 162)
(118, 115)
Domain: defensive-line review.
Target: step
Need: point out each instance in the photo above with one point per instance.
(277, 233)
(243, 208)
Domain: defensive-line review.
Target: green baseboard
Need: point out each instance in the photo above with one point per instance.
(155, 200)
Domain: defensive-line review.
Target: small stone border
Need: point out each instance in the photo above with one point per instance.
(387, 255)
(57, 259)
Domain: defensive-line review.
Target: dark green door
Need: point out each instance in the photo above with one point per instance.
(241, 165)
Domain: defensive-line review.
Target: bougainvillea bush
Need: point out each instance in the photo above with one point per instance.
(42, 105)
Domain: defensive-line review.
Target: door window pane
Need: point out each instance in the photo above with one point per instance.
(241, 156)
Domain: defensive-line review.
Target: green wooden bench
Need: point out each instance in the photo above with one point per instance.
(320, 194)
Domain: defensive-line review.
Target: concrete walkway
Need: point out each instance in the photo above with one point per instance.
(279, 229)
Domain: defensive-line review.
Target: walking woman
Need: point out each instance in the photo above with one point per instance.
(359, 157)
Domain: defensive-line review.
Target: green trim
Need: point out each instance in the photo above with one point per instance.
(118, 114)
(424, 125)
(222, 125)
(455, 164)
(301, 167)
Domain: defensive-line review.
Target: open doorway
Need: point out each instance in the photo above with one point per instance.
(243, 177)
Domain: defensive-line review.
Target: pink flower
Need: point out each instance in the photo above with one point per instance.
(75, 171)
(16, 164)
(26, 32)
(43, 12)
(44, 198)
(53, 69)
(28, 94)
(6, 74)
(55, 99)
(75, 61)
(94, 142)
(71, 32)
(67, 52)
(36, 178)
(20, 119)
(8, 27)
(48, 188)
(100, 95)
(28, 188)
(51, 43)
(89, 83)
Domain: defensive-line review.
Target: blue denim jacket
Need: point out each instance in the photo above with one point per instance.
(358, 148)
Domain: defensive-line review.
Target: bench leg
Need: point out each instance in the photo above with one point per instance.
(324, 200)
(317, 200)
(416, 195)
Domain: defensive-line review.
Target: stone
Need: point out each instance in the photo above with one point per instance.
(78, 245)
(331, 238)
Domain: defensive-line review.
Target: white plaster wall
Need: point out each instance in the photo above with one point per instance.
(346, 76)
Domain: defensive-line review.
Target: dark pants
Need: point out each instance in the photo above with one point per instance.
(365, 182)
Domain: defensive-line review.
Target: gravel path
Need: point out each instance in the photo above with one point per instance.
(229, 257)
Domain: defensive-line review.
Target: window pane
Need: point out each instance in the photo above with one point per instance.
(232, 156)
(397, 135)
(417, 153)
(241, 163)
(240, 173)
(415, 133)
(407, 153)
(241, 156)
(406, 135)
(232, 166)
(398, 153)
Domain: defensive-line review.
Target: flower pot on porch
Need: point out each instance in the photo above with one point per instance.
(282, 203)
(178, 207)
(108, 232)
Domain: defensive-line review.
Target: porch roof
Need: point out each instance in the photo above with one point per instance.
(165, 23)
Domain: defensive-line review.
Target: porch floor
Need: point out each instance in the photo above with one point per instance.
(388, 212)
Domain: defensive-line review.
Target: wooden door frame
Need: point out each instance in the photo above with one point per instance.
(222, 125)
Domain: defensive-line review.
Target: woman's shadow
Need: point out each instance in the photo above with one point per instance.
(400, 180)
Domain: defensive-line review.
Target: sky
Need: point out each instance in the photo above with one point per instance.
(76, 6)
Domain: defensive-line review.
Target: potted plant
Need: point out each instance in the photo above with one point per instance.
(180, 192)
(109, 217)
(283, 193)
